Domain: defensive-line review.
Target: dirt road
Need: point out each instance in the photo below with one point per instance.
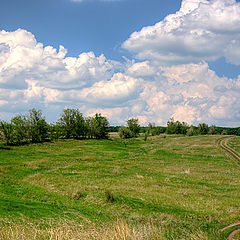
(223, 143)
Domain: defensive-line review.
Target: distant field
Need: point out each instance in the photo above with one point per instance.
(169, 187)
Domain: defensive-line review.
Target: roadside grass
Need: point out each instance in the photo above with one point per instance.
(169, 187)
(235, 143)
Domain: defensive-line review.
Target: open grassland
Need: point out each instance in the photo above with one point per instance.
(169, 187)
(235, 143)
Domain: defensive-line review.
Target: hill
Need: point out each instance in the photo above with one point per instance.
(168, 187)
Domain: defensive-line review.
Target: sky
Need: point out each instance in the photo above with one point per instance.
(146, 59)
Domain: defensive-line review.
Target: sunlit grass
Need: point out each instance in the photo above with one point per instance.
(175, 186)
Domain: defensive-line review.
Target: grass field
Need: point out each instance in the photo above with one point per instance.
(169, 187)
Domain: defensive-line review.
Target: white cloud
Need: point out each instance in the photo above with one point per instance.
(23, 58)
(119, 88)
(33, 75)
(200, 30)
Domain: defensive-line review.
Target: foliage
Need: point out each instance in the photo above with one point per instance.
(20, 129)
(109, 196)
(98, 126)
(213, 130)
(132, 129)
(133, 126)
(154, 130)
(176, 127)
(37, 126)
(7, 132)
(124, 132)
(191, 131)
(203, 128)
(72, 124)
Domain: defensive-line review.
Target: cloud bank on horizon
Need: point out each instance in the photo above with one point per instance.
(169, 76)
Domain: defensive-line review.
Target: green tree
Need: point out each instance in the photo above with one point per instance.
(133, 126)
(72, 123)
(37, 125)
(20, 129)
(124, 132)
(191, 131)
(176, 127)
(203, 128)
(151, 129)
(7, 132)
(213, 130)
(98, 126)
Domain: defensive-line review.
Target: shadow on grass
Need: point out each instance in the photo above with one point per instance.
(4, 148)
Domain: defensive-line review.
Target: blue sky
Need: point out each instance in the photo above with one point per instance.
(84, 26)
(147, 59)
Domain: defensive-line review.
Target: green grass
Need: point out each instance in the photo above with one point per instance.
(235, 143)
(182, 184)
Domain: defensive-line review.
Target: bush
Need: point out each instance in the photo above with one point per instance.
(203, 128)
(125, 132)
(133, 126)
(37, 126)
(7, 132)
(98, 127)
(72, 124)
(176, 127)
(20, 129)
(191, 131)
(213, 130)
(109, 197)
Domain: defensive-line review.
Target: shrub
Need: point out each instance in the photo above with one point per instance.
(109, 196)
(133, 126)
(7, 132)
(176, 127)
(213, 130)
(203, 128)
(37, 126)
(98, 127)
(191, 131)
(125, 132)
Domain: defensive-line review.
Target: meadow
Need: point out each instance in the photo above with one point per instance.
(168, 187)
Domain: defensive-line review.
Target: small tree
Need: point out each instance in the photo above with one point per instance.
(151, 129)
(213, 130)
(224, 132)
(190, 131)
(133, 126)
(72, 124)
(66, 122)
(125, 132)
(176, 127)
(7, 132)
(98, 126)
(21, 129)
(79, 129)
(38, 127)
(203, 128)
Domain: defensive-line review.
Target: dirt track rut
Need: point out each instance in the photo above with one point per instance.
(223, 143)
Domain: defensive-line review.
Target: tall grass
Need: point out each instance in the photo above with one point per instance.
(120, 230)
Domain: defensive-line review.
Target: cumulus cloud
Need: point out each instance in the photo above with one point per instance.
(154, 89)
(22, 57)
(200, 31)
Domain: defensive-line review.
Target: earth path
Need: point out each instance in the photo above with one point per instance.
(223, 143)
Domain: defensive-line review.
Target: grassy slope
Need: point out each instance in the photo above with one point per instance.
(185, 184)
(235, 143)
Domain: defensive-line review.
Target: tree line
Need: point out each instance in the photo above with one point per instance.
(176, 127)
(133, 129)
(33, 127)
